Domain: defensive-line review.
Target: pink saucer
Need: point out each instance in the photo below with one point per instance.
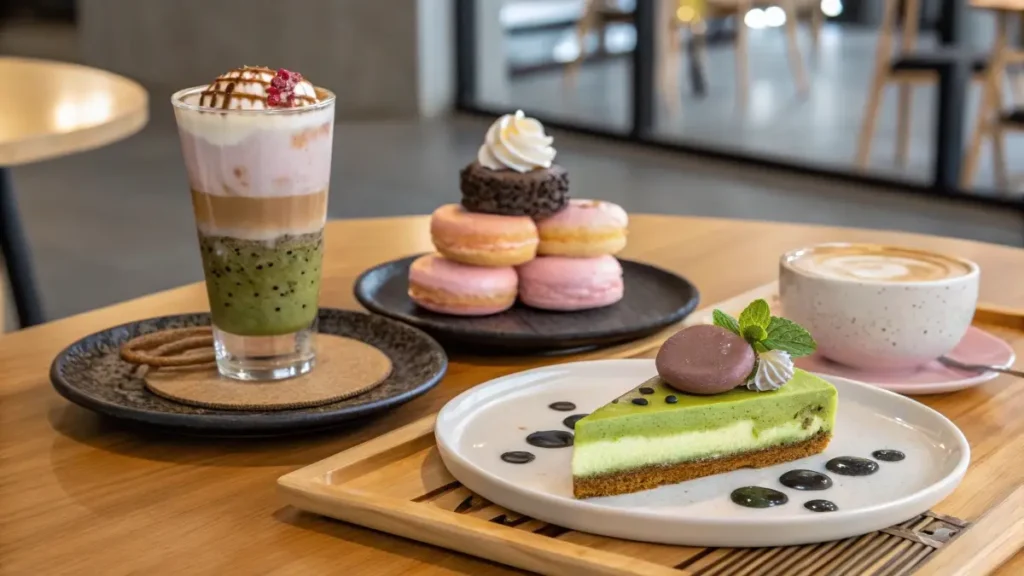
(977, 347)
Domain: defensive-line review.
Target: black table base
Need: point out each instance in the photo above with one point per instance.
(16, 256)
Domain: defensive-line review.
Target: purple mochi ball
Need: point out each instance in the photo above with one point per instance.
(705, 359)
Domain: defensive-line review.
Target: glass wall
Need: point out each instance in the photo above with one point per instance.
(879, 90)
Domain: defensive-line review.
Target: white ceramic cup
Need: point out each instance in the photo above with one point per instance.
(873, 319)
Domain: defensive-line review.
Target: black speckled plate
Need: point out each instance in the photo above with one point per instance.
(654, 298)
(90, 373)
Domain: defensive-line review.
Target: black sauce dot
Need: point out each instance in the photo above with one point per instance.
(238, 283)
(256, 295)
(303, 272)
(277, 309)
(274, 287)
(303, 305)
(259, 266)
(820, 506)
(805, 480)
(230, 295)
(646, 390)
(289, 252)
(889, 455)
(571, 421)
(758, 497)
(550, 439)
(270, 264)
(852, 466)
(253, 255)
(562, 406)
(616, 401)
(640, 401)
(671, 399)
(227, 268)
(518, 457)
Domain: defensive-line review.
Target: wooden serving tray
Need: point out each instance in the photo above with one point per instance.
(398, 484)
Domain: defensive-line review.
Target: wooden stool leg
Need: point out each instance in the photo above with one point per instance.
(987, 122)
(582, 30)
(867, 129)
(672, 49)
(796, 60)
(999, 158)
(817, 21)
(742, 73)
(906, 95)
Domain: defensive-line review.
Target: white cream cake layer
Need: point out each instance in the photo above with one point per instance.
(604, 457)
(233, 126)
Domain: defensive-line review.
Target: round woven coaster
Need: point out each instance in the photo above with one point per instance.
(344, 368)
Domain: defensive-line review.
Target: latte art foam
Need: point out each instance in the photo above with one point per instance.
(877, 264)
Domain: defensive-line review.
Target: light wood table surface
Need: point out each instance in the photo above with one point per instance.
(51, 109)
(80, 494)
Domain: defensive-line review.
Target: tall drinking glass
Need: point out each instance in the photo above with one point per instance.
(259, 181)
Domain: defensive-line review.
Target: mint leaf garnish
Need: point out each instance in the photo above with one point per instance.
(754, 334)
(757, 314)
(723, 320)
(788, 336)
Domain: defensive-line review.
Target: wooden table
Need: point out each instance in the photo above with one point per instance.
(80, 494)
(48, 110)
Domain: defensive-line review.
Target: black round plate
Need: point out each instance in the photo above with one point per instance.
(654, 298)
(90, 373)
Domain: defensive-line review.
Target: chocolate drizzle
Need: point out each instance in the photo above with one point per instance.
(562, 406)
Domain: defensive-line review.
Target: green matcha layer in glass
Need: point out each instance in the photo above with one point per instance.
(262, 288)
(669, 428)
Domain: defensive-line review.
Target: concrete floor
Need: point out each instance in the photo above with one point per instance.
(115, 223)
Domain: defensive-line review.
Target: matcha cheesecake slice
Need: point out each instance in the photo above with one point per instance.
(727, 396)
(644, 440)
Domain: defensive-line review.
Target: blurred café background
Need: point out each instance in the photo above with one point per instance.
(867, 113)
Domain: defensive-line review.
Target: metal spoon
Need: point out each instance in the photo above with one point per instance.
(947, 361)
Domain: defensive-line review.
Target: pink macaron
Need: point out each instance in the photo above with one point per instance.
(560, 283)
(584, 229)
(447, 287)
(483, 239)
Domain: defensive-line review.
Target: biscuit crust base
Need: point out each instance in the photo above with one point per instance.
(636, 480)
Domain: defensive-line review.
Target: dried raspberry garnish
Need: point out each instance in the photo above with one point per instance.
(281, 92)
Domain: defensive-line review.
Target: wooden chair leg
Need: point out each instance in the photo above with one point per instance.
(583, 27)
(906, 95)
(796, 60)
(817, 21)
(987, 122)
(672, 49)
(867, 129)
(999, 158)
(742, 71)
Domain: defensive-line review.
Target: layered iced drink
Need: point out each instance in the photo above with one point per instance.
(257, 148)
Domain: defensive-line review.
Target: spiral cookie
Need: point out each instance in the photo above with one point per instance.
(175, 347)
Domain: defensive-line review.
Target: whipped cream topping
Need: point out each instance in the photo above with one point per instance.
(252, 88)
(774, 369)
(515, 142)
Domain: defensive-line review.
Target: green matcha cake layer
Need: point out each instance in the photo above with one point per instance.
(805, 395)
(623, 435)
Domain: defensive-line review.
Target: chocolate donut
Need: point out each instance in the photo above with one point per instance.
(538, 193)
(705, 359)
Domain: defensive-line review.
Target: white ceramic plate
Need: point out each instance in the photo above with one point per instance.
(475, 428)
